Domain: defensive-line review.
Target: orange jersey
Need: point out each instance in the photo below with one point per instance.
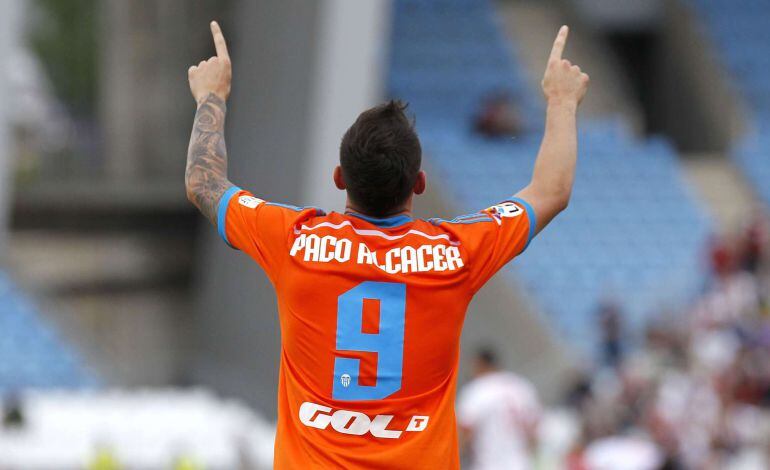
(371, 312)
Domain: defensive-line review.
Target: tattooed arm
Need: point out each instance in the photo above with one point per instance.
(206, 174)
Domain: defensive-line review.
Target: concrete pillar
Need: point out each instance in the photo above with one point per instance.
(145, 104)
(350, 71)
(117, 98)
(10, 32)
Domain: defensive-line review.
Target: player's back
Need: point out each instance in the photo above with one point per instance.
(371, 312)
(371, 320)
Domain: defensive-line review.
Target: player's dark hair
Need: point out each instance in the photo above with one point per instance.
(487, 356)
(380, 157)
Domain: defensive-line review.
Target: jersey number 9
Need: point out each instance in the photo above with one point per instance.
(388, 343)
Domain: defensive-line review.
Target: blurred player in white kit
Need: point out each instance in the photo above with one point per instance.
(498, 414)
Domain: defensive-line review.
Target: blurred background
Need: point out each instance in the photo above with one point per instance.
(131, 337)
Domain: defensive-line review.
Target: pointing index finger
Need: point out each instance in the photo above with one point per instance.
(219, 41)
(559, 43)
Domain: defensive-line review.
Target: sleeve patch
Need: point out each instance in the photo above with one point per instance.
(505, 210)
(250, 201)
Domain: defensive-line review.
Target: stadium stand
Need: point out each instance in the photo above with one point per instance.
(634, 229)
(31, 353)
(742, 41)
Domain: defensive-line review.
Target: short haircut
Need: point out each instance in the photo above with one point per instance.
(380, 156)
(487, 356)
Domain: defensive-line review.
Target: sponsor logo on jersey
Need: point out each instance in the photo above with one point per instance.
(355, 423)
(505, 210)
(250, 201)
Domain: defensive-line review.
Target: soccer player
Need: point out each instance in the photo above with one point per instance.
(371, 301)
(498, 413)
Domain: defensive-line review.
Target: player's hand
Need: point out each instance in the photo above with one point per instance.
(563, 82)
(213, 75)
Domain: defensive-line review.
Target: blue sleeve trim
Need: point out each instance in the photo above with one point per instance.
(530, 216)
(224, 202)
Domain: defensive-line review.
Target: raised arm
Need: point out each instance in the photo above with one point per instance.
(564, 86)
(206, 173)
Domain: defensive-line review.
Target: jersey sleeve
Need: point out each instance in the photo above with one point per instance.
(496, 235)
(259, 228)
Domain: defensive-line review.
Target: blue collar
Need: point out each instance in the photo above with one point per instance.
(388, 222)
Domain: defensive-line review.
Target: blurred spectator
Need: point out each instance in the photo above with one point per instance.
(497, 117)
(576, 458)
(610, 320)
(579, 390)
(753, 243)
(622, 453)
(696, 394)
(498, 414)
(13, 415)
(722, 256)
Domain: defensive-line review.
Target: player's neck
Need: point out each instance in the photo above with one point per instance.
(406, 211)
(485, 371)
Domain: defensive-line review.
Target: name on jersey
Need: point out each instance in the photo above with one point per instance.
(355, 423)
(405, 259)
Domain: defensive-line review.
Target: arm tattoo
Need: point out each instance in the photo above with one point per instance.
(206, 174)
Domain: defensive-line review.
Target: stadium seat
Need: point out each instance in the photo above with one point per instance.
(742, 42)
(31, 354)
